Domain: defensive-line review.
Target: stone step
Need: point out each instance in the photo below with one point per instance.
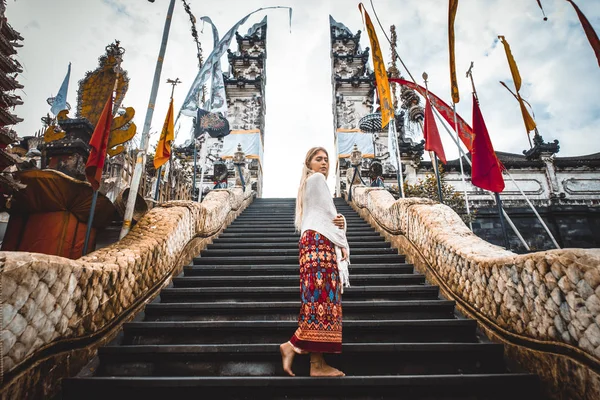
(290, 280)
(269, 251)
(292, 244)
(287, 224)
(289, 229)
(295, 239)
(291, 293)
(284, 269)
(265, 360)
(285, 236)
(288, 310)
(514, 386)
(249, 332)
(265, 259)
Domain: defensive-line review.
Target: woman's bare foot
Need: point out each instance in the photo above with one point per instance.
(320, 368)
(287, 357)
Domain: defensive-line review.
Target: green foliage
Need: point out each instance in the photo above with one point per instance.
(428, 189)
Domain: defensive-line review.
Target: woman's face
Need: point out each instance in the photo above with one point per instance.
(320, 163)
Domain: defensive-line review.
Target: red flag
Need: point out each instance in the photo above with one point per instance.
(432, 135)
(589, 31)
(464, 130)
(98, 144)
(486, 171)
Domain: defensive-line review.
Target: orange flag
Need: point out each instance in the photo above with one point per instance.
(383, 86)
(486, 171)
(432, 135)
(98, 144)
(452, 8)
(529, 122)
(167, 135)
(589, 31)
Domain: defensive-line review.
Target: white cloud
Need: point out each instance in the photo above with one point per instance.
(560, 73)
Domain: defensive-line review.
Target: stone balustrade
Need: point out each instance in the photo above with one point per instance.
(52, 306)
(545, 306)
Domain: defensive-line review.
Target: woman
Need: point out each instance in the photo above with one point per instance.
(324, 259)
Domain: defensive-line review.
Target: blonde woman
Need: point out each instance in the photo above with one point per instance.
(324, 259)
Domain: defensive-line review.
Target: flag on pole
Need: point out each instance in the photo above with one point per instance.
(60, 100)
(486, 171)
(167, 135)
(433, 142)
(383, 86)
(190, 104)
(452, 8)
(465, 133)
(514, 70)
(217, 102)
(98, 144)
(589, 31)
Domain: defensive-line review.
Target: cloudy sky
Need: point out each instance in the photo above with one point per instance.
(561, 77)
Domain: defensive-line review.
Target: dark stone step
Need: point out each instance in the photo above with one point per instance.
(288, 310)
(513, 386)
(283, 269)
(247, 332)
(289, 280)
(286, 224)
(264, 259)
(280, 235)
(295, 239)
(292, 293)
(269, 251)
(265, 360)
(289, 229)
(293, 244)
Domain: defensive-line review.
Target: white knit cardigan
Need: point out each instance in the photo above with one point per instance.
(318, 214)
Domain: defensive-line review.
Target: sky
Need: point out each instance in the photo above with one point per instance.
(560, 74)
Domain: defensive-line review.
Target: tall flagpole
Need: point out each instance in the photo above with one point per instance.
(461, 154)
(432, 155)
(496, 194)
(141, 154)
(173, 83)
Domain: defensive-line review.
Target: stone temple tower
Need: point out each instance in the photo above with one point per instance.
(245, 87)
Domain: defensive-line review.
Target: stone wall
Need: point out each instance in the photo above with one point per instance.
(545, 306)
(53, 305)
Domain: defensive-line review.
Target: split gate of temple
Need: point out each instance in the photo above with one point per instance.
(195, 300)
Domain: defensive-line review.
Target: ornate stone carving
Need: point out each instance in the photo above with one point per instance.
(245, 113)
(344, 70)
(252, 72)
(347, 117)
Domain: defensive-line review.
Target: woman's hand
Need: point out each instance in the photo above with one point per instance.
(339, 221)
(344, 254)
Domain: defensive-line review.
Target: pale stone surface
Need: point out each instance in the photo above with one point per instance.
(48, 298)
(547, 296)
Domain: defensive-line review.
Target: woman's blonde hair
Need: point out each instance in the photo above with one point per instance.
(306, 172)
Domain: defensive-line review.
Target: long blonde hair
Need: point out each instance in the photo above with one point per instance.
(306, 172)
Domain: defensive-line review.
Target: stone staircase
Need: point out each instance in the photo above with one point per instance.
(214, 333)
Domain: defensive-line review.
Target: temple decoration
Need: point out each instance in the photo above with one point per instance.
(97, 85)
(9, 69)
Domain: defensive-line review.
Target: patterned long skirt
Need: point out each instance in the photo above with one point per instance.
(320, 319)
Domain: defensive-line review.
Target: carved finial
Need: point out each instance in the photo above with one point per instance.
(355, 156)
(239, 157)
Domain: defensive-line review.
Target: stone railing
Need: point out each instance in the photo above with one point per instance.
(545, 306)
(57, 311)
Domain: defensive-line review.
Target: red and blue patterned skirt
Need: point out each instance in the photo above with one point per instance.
(320, 319)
